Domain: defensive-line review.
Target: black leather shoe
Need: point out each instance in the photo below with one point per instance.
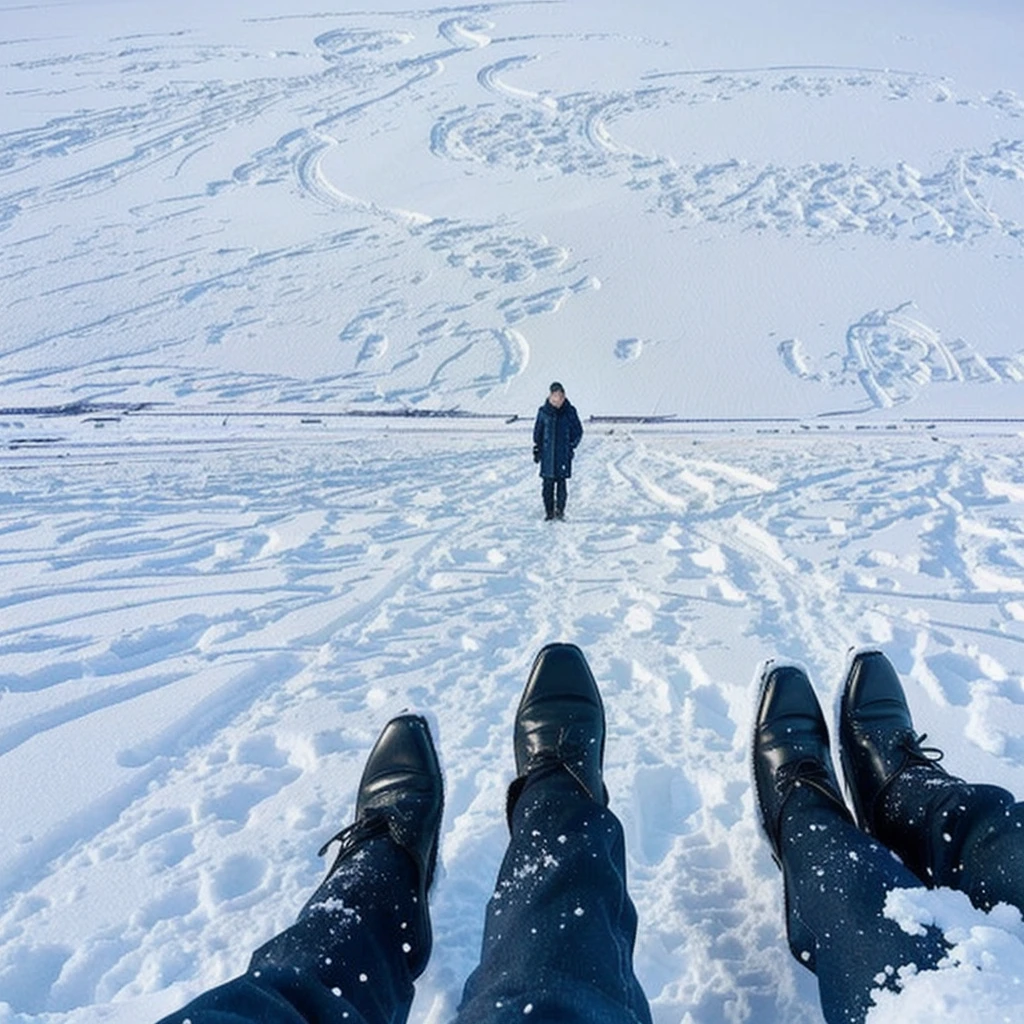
(877, 739)
(400, 795)
(901, 794)
(790, 749)
(560, 723)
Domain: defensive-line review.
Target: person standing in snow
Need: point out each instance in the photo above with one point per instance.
(559, 929)
(556, 433)
(838, 868)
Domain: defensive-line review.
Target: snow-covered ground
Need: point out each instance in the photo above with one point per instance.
(794, 234)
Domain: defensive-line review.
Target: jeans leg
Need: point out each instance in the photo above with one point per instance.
(344, 959)
(547, 490)
(560, 495)
(960, 835)
(836, 880)
(560, 927)
(993, 858)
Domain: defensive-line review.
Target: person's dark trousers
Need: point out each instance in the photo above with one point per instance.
(554, 492)
(836, 881)
(343, 960)
(959, 835)
(560, 927)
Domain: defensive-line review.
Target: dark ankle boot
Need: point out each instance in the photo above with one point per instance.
(560, 723)
(901, 794)
(790, 749)
(400, 796)
(793, 774)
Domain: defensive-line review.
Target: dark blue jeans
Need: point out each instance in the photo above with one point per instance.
(957, 834)
(558, 937)
(342, 960)
(560, 927)
(837, 878)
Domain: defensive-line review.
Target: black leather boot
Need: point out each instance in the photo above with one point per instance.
(790, 749)
(901, 794)
(793, 776)
(401, 795)
(560, 723)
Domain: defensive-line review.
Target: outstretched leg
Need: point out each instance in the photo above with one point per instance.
(947, 831)
(835, 877)
(837, 880)
(364, 936)
(560, 927)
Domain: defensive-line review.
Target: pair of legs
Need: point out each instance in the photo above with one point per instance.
(553, 490)
(559, 929)
(837, 866)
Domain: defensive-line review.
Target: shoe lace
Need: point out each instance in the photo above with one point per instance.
(566, 754)
(370, 825)
(807, 770)
(916, 753)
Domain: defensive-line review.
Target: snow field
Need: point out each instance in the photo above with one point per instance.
(198, 653)
(436, 207)
(226, 228)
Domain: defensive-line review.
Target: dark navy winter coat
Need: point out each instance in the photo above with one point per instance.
(556, 432)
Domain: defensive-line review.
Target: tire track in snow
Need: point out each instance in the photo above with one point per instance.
(466, 32)
(751, 568)
(311, 175)
(368, 73)
(491, 79)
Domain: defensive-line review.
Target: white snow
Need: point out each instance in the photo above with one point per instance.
(791, 236)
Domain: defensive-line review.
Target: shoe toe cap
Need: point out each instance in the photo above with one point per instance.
(873, 696)
(789, 719)
(561, 716)
(560, 671)
(403, 764)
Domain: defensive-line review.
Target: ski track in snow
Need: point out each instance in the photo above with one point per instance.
(232, 625)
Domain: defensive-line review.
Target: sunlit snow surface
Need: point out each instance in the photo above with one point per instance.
(226, 228)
